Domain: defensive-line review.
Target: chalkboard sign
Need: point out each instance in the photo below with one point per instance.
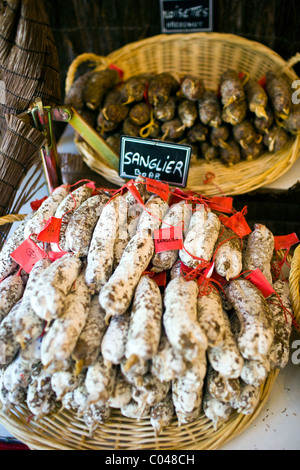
(163, 161)
(186, 15)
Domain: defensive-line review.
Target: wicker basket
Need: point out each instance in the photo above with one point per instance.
(294, 281)
(64, 430)
(207, 55)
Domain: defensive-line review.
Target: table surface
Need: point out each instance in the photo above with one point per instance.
(278, 425)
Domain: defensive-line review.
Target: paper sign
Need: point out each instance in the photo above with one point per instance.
(258, 279)
(169, 238)
(159, 188)
(27, 254)
(51, 231)
(285, 241)
(183, 16)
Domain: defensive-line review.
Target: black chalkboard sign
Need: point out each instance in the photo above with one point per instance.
(186, 15)
(163, 161)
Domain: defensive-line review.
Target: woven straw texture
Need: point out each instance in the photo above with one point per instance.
(295, 283)
(65, 431)
(206, 55)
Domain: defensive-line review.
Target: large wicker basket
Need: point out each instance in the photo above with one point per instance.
(206, 55)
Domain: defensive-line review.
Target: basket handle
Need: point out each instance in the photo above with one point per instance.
(292, 61)
(99, 61)
(11, 218)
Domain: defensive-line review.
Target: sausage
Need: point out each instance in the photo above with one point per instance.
(74, 96)
(65, 381)
(226, 357)
(235, 112)
(280, 350)
(136, 373)
(122, 392)
(28, 326)
(150, 392)
(161, 414)
(178, 214)
(191, 87)
(65, 211)
(60, 340)
(215, 410)
(256, 333)
(228, 257)
(18, 373)
(78, 400)
(187, 391)
(135, 411)
(88, 344)
(209, 108)
(180, 318)
(100, 381)
(256, 97)
(161, 87)
(98, 85)
(259, 251)
(248, 399)
(231, 88)
(151, 218)
(7, 263)
(116, 295)
(230, 152)
(211, 317)
(275, 139)
(222, 388)
(255, 372)
(47, 209)
(11, 291)
(9, 347)
(41, 400)
(114, 340)
(279, 93)
(145, 322)
(49, 296)
(101, 252)
(95, 415)
(201, 238)
(187, 112)
(166, 111)
(167, 364)
(80, 228)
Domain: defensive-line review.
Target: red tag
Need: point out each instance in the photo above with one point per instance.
(160, 278)
(54, 255)
(238, 224)
(51, 231)
(135, 192)
(159, 188)
(35, 205)
(27, 254)
(285, 241)
(169, 238)
(219, 279)
(258, 279)
(91, 184)
(221, 203)
(263, 81)
(177, 195)
(120, 71)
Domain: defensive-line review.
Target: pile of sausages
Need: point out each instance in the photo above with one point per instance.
(90, 330)
(240, 121)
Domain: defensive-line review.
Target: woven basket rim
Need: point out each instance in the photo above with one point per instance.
(294, 282)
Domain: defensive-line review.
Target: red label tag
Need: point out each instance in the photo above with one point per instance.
(35, 205)
(27, 254)
(51, 231)
(285, 241)
(221, 203)
(169, 238)
(238, 224)
(54, 255)
(135, 192)
(258, 279)
(159, 188)
(160, 279)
